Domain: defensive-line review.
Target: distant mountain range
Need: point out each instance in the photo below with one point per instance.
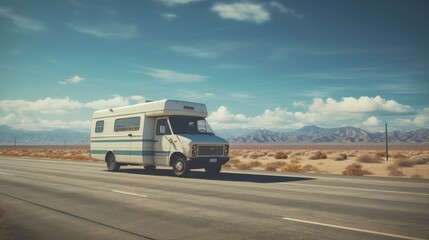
(314, 134)
(54, 137)
(309, 134)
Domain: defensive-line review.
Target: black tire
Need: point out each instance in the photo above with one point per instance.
(213, 170)
(180, 166)
(150, 168)
(111, 163)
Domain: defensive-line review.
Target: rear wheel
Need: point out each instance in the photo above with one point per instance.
(180, 166)
(213, 170)
(111, 163)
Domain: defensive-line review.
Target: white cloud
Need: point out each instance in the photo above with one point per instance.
(116, 101)
(420, 120)
(192, 95)
(52, 113)
(47, 106)
(171, 76)
(285, 10)
(177, 2)
(244, 11)
(371, 122)
(73, 80)
(110, 30)
(194, 52)
(363, 111)
(362, 105)
(24, 23)
(169, 16)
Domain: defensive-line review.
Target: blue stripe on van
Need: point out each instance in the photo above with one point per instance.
(125, 140)
(133, 153)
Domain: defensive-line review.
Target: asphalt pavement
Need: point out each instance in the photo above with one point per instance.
(59, 199)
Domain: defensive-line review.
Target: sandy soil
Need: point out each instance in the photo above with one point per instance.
(412, 162)
(404, 161)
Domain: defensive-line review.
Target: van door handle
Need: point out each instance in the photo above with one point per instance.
(130, 135)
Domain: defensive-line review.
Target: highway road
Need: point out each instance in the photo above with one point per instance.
(58, 199)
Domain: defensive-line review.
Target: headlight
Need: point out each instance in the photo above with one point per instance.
(194, 150)
(225, 150)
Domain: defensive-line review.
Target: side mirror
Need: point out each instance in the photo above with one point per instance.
(162, 130)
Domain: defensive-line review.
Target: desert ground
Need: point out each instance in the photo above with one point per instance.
(408, 161)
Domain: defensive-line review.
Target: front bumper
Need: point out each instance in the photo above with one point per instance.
(202, 162)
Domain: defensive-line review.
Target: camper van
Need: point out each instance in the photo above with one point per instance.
(159, 133)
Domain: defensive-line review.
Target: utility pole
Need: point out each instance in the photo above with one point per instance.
(65, 144)
(14, 142)
(387, 142)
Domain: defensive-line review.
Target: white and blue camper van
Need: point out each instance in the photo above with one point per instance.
(159, 133)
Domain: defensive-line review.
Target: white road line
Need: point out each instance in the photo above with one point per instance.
(128, 193)
(354, 229)
(357, 189)
(9, 174)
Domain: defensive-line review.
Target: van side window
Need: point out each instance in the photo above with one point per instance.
(99, 126)
(127, 124)
(162, 122)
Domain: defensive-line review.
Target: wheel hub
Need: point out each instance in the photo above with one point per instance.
(179, 166)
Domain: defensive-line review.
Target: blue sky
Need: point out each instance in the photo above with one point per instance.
(256, 64)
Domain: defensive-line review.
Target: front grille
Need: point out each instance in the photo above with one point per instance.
(210, 150)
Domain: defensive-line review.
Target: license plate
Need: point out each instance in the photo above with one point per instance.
(213, 160)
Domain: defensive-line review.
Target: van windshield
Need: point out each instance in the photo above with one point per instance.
(190, 125)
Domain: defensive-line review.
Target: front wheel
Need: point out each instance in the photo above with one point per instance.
(180, 166)
(213, 170)
(111, 163)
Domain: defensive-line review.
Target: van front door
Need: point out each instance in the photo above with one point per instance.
(162, 142)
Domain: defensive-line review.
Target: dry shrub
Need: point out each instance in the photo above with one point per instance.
(420, 159)
(243, 166)
(394, 171)
(310, 168)
(280, 155)
(399, 156)
(292, 167)
(276, 164)
(270, 168)
(380, 154)
(255, 164)
(253, 155)
(340, 157)
(234, 160)
(366, 158)
(226, 165)
(235, 153)
(416, 175)
(295, 160)
(355, 169)
(317, 155)
(402, 162)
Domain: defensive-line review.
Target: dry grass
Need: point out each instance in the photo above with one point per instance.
(48, 152)
(254, 164)
(310, 168)
(292, 167)
(393, 171)
(243, 166)
(420, 159)
(366, 158)
(270, 168)
(416, 175)
(355, 169)
(403, 162)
